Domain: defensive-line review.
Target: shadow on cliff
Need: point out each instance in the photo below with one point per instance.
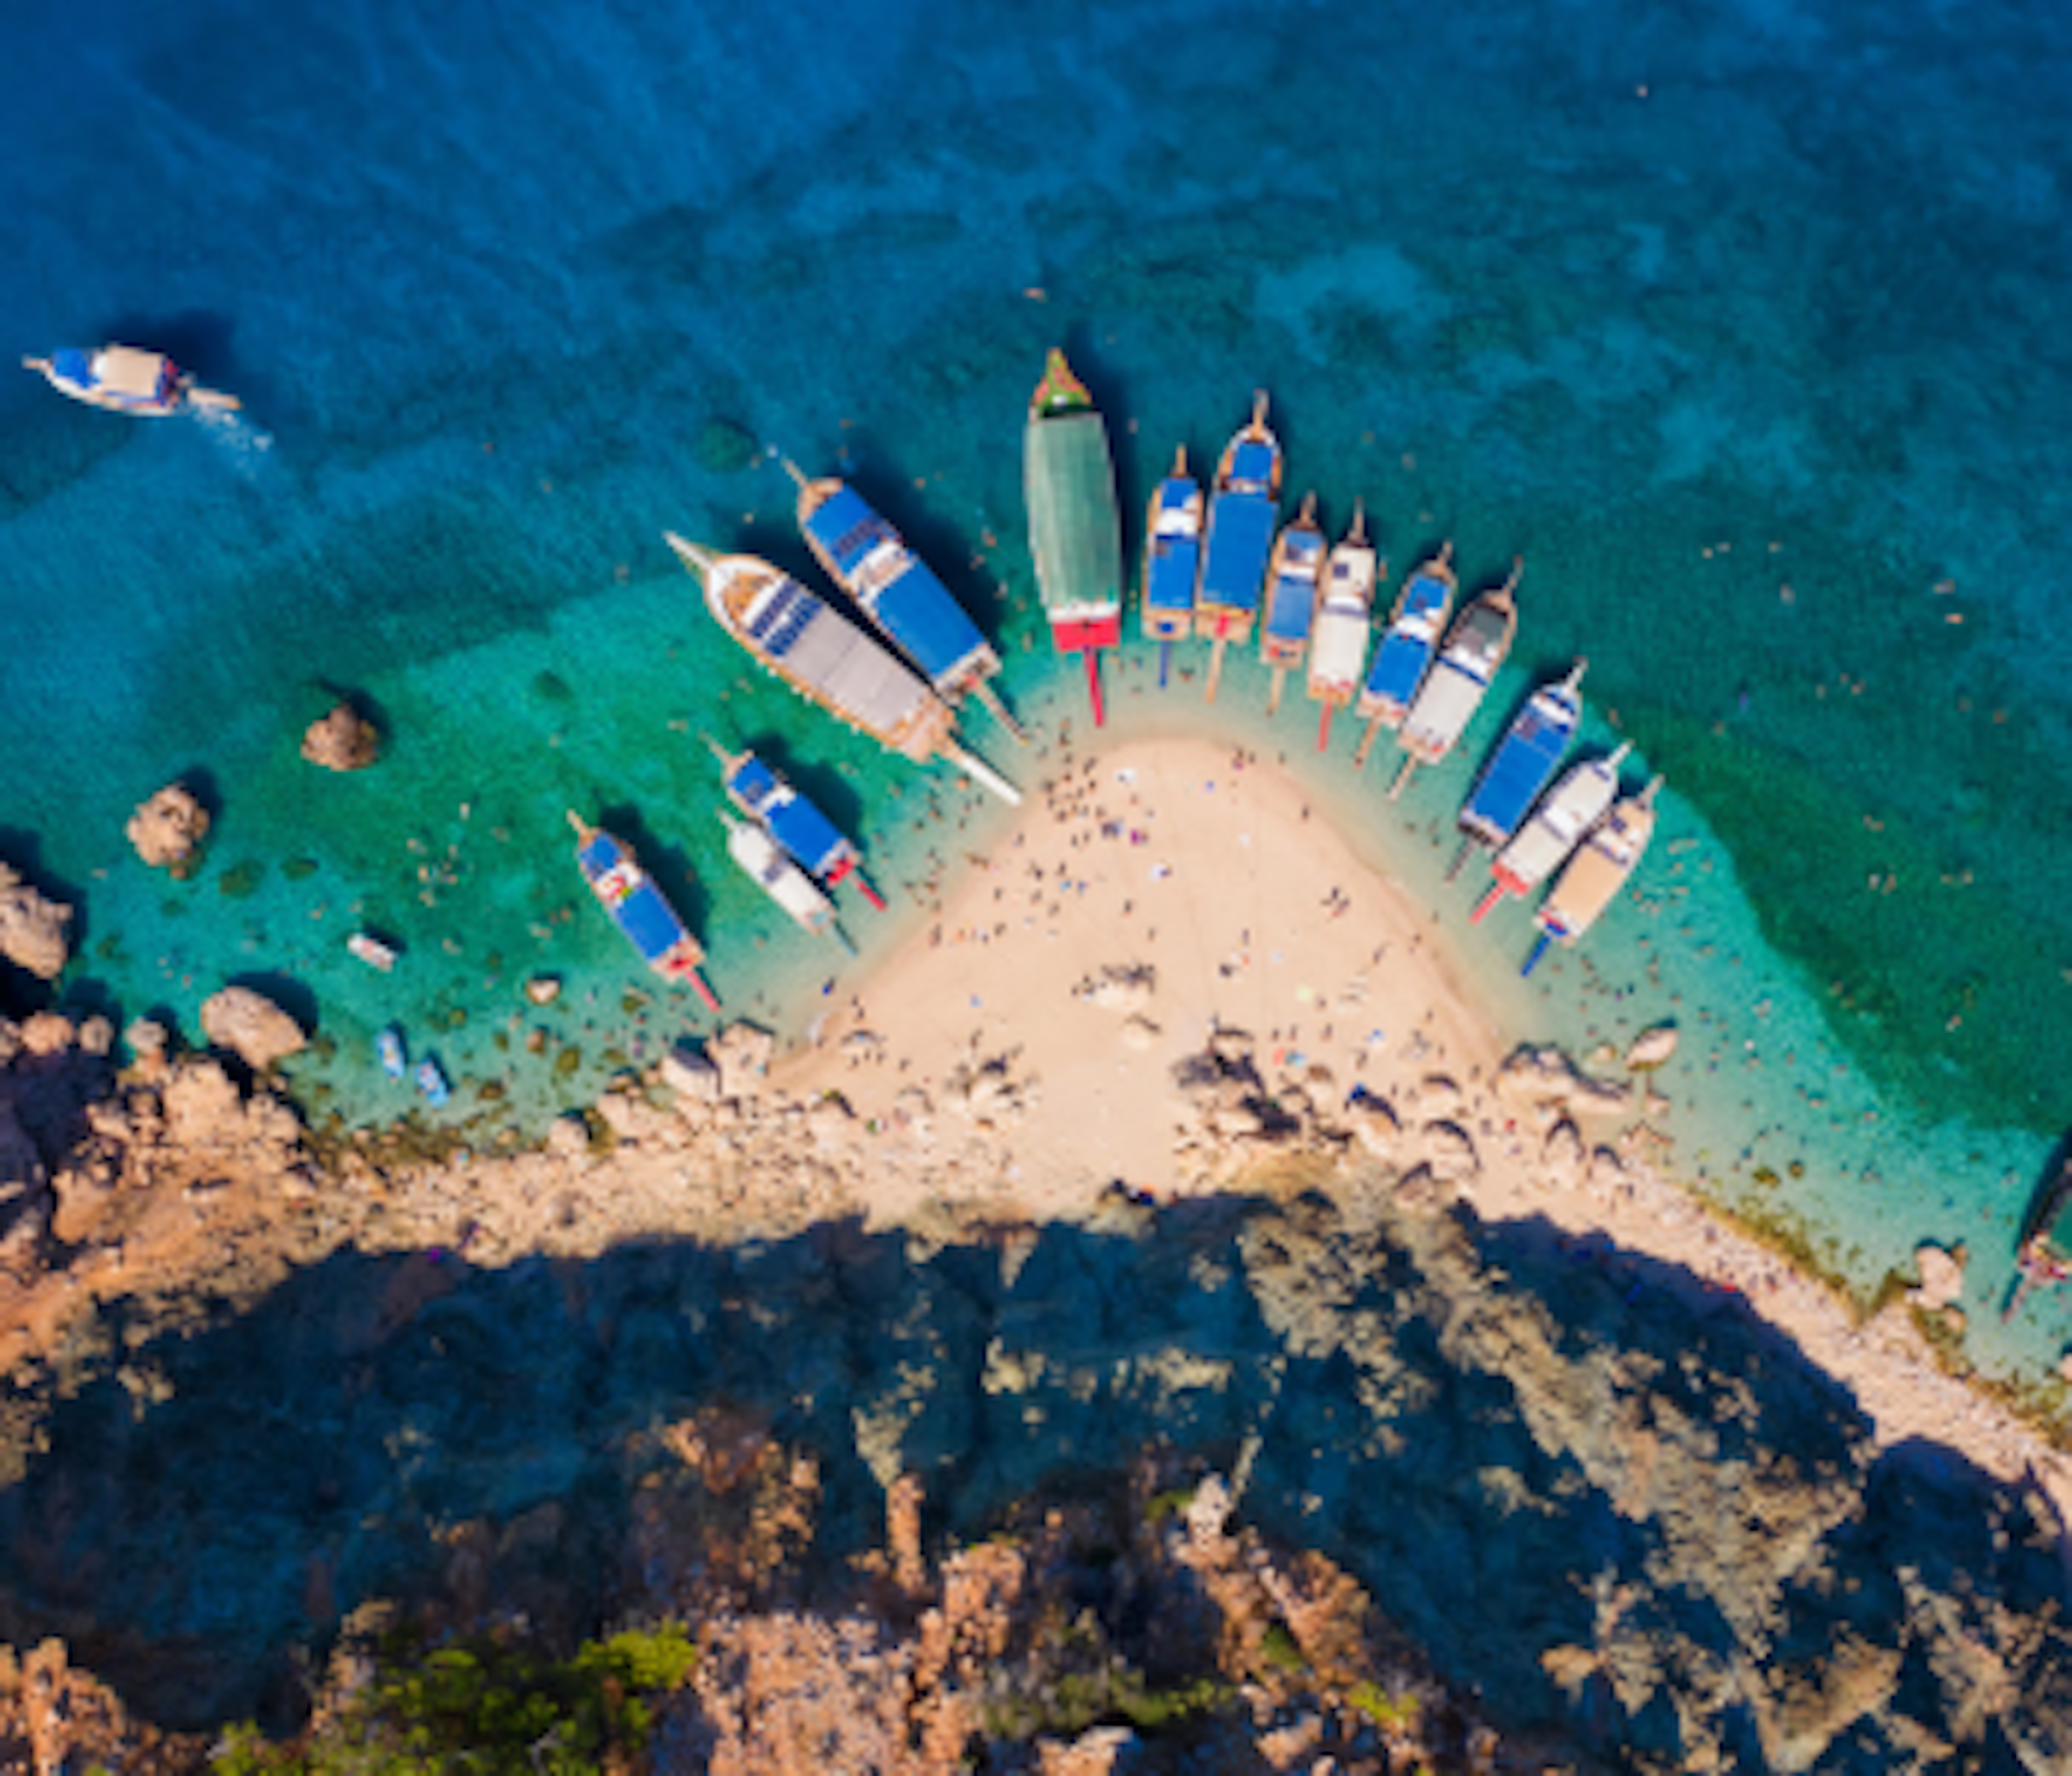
(1523, 1447)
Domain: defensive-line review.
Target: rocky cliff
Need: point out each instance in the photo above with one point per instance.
(1643, 1530)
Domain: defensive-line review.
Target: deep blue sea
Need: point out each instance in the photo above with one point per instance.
(1743, 325)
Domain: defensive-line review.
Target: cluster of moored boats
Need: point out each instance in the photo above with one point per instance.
(1217, 565)
(899, 659)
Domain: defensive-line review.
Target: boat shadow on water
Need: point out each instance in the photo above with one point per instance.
(1497, 1429)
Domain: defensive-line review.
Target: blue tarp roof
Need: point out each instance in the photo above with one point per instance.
(847, 528)
(1513, 779)
(1240, 538)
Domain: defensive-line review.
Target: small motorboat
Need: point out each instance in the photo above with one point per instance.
(388, 1046)
(431, 1082)
(125, 379)
(371, 950)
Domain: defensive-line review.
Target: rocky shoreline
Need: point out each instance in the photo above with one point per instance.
(1657, 1539)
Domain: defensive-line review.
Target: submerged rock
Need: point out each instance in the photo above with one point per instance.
(167, 829)
(342, 740)
(1942, 1276)
(32, 929)
(251, 1026)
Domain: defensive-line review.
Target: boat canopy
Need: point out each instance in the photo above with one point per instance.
(635, 904)
(1074, 532)
(900, 590)
(829, 655)
(1240, 538)
(1251, 466)
(1292, 607)
(796, 824)
(1523, 763)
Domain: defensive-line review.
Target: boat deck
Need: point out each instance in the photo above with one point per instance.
(1074, 531)
(1234, 560)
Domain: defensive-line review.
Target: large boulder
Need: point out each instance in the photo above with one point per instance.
(32, 929)
(343, 740)
(168, 829)
(1651, 1047)
(251, 1026)
(1942, 1276)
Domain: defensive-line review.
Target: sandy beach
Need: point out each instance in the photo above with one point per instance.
(1162, 891)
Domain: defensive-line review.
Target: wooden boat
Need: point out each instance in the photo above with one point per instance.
(1608, 856)
(762, 859)
(644, 918)
(1294, 578)
(1172, 560)
(1565, 814)
(897, 591)
(812, 841)
(1458, 681)
(125, 379)
(2043, 1249)
(831, 661)
(1407, 647)
(388, 1049)
(1520, 766)
(1345, 623)
(1075, 529)
(1239, 537)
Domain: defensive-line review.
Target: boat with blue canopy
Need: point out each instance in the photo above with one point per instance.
(1172, 560)
(644, 918)
(812, 841)
(1407, 647)
(832, 661)
(1294, 578)
(125, 379)
(1603, 862)
(1238, 539)
(388, 1048)
(897, 591)
(762, 859)
(1345, 624)
(1522, 765)
(431, 1081)
(1566, 814)
(1075, 530)
(1475, 646)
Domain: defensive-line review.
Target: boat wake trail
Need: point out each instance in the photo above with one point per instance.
(245, 445)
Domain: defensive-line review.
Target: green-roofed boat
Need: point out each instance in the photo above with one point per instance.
(1075, 530)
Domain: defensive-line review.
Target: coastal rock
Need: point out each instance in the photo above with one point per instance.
(32, 929)
(1651, 1048)
(1139, 1034)
(168, 830)
(1374, 1126)
(1437, 1099)
(1128, 989)
(149, 1041)
(1449, 1152)
(544, 989)
(1562, 1154)
(692, 1074)
(1942, 1276)
(1545, 1078)
(342, 740)
(251, 1026)
(45, 1033)
(742, 1053)
(568, 1136)
(1421, 1190)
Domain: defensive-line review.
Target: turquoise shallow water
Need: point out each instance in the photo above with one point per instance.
(1737, 324)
